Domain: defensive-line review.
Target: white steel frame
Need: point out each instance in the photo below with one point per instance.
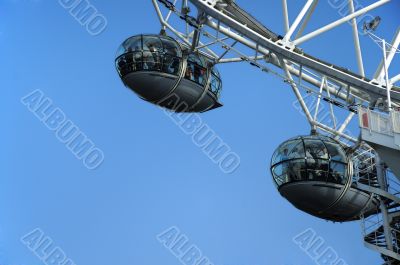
(229, 41)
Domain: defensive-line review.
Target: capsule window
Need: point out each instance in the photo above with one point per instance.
(296, 170)
(282, 153)
(195, 70)
(313, 158)
(280, 174)
(133, 44)
(171, 64)
(171, 48)
(315, 149)
(151, 53)
(130, 62)
(296, 150)
(215, 84)
(337, 173)
(336, 154)
(317, 169)
(152, 44)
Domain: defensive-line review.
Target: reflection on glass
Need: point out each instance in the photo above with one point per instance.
(338, 172)
(335, 153)
(171, 48)
(164, 54)
(195, 72)
(215, 83)
(315, 158)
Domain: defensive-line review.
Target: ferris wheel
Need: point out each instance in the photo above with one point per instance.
(330, 173)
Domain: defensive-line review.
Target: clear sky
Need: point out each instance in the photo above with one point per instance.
(153, 176)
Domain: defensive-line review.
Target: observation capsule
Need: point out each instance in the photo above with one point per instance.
(315, 175)
(163, 72)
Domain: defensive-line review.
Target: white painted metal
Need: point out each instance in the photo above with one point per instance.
(285, 15)
(358, 86)
(297, 21)
(356, 40)
(306, 19)
(297, 92)
(395, 79)
(386, 70)
(339, 22)
(330, 85)
(321, 88)
(379, 74)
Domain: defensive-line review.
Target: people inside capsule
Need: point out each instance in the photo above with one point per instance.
(161, 54)
(313, 173)
(317, 158)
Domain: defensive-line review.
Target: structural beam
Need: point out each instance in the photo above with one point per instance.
(285, 15)
(356, 41)
(339, 22)
(297, 92)
(386, 73)
(297, 21)
(395, 79)
(274, 60)
(394, 46)
(306, 20)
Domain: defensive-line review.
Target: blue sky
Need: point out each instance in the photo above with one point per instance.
(153, 176)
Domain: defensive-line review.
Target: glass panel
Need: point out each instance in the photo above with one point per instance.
(152, 49)
(336, 152)
(281, 154)
(200, 75)
(317, 169)
(280, 175)
(315, 149)
(337, 173)
(130, 62)
(171, 65)
(296, 170)
(130, 45)
(289, 150)
(189, 71)
(196, 73)
(194, 58)
(215, 84)
(152, 44)
(151, 61)
(296, 149)
(215, 72)
(171, 48)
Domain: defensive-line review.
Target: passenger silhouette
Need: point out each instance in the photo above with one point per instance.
(148, 59)
(189, 73)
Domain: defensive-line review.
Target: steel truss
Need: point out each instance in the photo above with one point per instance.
(227, 34)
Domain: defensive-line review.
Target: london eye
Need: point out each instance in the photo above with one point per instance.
(329, 173)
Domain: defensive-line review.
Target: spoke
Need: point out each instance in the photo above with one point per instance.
(159, 14)
(319, 98)
(387, 81)
(297, 92)
(395, 79)
(346, 122)
(285, 15)
(298, 20)
(339, 22)
(307, 19)
(357, 41)
(394, 46)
